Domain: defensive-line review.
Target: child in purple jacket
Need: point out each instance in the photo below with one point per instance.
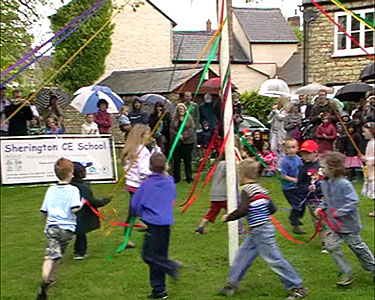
(153, 203)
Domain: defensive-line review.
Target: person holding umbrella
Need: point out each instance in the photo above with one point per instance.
(103, 118)
(185, 145)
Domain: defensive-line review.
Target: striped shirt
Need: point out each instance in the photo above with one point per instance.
(254, 205)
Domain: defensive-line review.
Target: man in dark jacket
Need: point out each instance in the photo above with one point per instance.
(87, 220)
(138, 115)
(18, 122)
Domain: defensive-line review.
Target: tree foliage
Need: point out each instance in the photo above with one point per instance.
(89, 64)
(256, 106)
(14, 39)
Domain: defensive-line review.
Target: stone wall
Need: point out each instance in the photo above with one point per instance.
(322, 67)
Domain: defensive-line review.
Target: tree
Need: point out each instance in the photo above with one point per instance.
(256, 105)
(89, 64)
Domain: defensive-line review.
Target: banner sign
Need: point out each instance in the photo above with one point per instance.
(31, 160)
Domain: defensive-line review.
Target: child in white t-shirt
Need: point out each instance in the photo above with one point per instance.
(60, 204)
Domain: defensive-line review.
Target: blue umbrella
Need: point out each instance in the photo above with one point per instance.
(86, 100)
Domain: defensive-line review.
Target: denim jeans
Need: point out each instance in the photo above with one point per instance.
(359, 247)
(261, 240)
(294, 198)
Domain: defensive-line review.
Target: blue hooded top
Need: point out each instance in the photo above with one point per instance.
(153, 201)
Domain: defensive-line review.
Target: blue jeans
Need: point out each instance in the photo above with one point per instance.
(262, 241)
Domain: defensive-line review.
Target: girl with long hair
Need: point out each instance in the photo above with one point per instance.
(136, 161)
(161, 134)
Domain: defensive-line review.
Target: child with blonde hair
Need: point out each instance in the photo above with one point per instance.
(257, 206)
(136, 160)
(340, 206)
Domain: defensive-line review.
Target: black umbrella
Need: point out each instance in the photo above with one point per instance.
(42, 98)
(353, 91)
(368, 72)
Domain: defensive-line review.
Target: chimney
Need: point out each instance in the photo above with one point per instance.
(208, 25)
(294, 21)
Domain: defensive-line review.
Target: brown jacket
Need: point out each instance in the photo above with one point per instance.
(189, 135)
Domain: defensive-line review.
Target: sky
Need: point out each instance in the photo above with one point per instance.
(188, 14)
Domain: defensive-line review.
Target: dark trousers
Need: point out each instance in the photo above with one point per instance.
(294, 199)
(183, 152)
(80, 245)
(155, 254)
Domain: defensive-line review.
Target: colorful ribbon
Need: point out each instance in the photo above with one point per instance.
(60, 32)
(355, 16)
(341, 28)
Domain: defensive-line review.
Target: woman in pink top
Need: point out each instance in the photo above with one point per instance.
(326, 134)
(102, 117)
(368, 189)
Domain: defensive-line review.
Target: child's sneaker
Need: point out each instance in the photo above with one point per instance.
(42, 294)
(200, 230)
(298, 293)
(228, 290)
(324, 249)
(298, 230)
(80, 256)
(345, 280)
(161, 295)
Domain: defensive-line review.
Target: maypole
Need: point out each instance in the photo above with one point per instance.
(223, 6)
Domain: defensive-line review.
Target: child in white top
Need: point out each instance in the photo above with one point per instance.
(60, 204)
(89, 126)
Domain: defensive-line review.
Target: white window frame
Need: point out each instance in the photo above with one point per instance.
(348, 51)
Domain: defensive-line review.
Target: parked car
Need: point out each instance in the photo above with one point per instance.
(252, 123)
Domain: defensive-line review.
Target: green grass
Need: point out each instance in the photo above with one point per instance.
(126, 276)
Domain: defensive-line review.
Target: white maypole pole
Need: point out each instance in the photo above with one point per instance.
(228, 125)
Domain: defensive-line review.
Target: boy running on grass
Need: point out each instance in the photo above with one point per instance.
(153, 203)
(309, 181)
(256, 204)
(60, 204)
(289, 177)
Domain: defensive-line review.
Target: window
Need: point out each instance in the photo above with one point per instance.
(344, 46)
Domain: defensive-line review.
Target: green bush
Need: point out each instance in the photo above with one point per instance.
(256, 106)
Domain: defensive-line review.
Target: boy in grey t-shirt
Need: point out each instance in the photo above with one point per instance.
(60, 204)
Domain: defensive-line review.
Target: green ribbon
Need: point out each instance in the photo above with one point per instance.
(127, 234)
(211, 57)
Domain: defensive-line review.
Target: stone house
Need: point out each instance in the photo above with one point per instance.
(262, 42)
(330, 57)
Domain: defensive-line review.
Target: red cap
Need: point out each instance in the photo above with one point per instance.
(309, 146)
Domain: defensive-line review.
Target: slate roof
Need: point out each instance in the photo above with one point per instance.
(265, 25)
(156, 80)
(309, 3)
(193, 43)
(292, 70)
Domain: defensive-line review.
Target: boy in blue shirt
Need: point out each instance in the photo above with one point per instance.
(289, 178)
(60, 204)
(153, 203)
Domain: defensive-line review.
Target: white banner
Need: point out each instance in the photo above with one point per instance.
(31, 160)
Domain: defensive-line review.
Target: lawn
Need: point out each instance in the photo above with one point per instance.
(126, 276)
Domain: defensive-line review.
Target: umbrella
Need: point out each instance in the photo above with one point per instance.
(313, 89)
(368, 72)
(86, 99)
(214, 82)
(155, 98)
(274, 88)
(42, 98)
(353, 91)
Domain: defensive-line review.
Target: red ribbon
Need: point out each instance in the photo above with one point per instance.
(283, 231)
(87, 202)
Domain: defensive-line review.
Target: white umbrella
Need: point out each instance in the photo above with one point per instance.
(274, 88)
(313, 89)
